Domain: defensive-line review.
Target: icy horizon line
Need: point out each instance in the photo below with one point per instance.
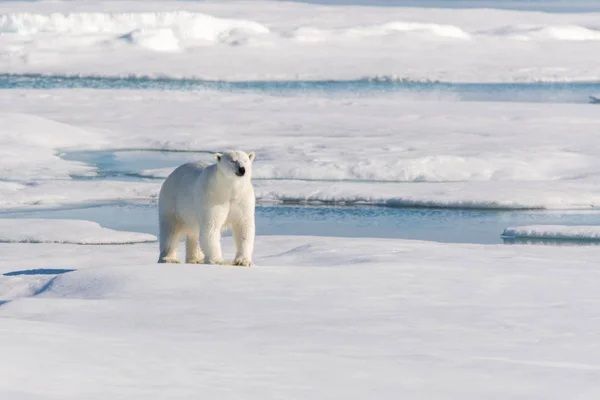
(376, 79)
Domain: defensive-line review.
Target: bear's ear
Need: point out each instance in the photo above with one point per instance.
(218, 156)
(251, 156)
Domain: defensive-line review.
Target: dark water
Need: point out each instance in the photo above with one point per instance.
(571, 92)
(453, 226)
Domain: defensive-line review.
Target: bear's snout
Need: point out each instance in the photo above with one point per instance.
(241, 171)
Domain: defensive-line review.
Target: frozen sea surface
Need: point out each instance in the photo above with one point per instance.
(444, 121)
(117, 145)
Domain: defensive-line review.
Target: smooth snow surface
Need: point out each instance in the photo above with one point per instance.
(65, 231)
(263, 40)
(318, 318)
(553, 232)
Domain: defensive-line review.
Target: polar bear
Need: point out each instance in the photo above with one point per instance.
(200, 200)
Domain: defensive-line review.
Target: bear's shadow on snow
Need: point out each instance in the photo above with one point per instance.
(39, 271)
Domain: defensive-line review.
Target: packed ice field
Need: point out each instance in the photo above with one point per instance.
(399, 150)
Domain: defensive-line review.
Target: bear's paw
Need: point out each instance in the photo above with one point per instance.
(217, 261)
(168, 260)
(242, 262)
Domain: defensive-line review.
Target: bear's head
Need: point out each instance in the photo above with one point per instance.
(235, 163)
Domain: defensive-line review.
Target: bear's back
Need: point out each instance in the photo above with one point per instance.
(193, 168)
(183, 177)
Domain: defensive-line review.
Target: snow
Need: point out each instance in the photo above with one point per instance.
(553, 232)
(266, 40)
(558, 32)
(158, 40)
(312, 34)
(377, 149)
(65, 231)
(321, 318)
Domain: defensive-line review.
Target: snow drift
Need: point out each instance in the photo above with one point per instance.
(549, 32)
(184, 24)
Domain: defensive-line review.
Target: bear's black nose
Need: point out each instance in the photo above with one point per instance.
(241, 171)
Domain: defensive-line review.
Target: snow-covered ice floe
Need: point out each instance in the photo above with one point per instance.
(317, 318)
(65, 231)
(381, 150)
(283, 40)
(556, 232)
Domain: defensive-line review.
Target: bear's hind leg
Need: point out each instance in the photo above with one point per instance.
(170, 231)
(193, 254)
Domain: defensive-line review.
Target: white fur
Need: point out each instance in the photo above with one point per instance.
(201, 200)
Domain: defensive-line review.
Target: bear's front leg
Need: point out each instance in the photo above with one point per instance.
(243, 235)
(210, 243)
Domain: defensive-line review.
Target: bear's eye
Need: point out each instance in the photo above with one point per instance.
(232, 161)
